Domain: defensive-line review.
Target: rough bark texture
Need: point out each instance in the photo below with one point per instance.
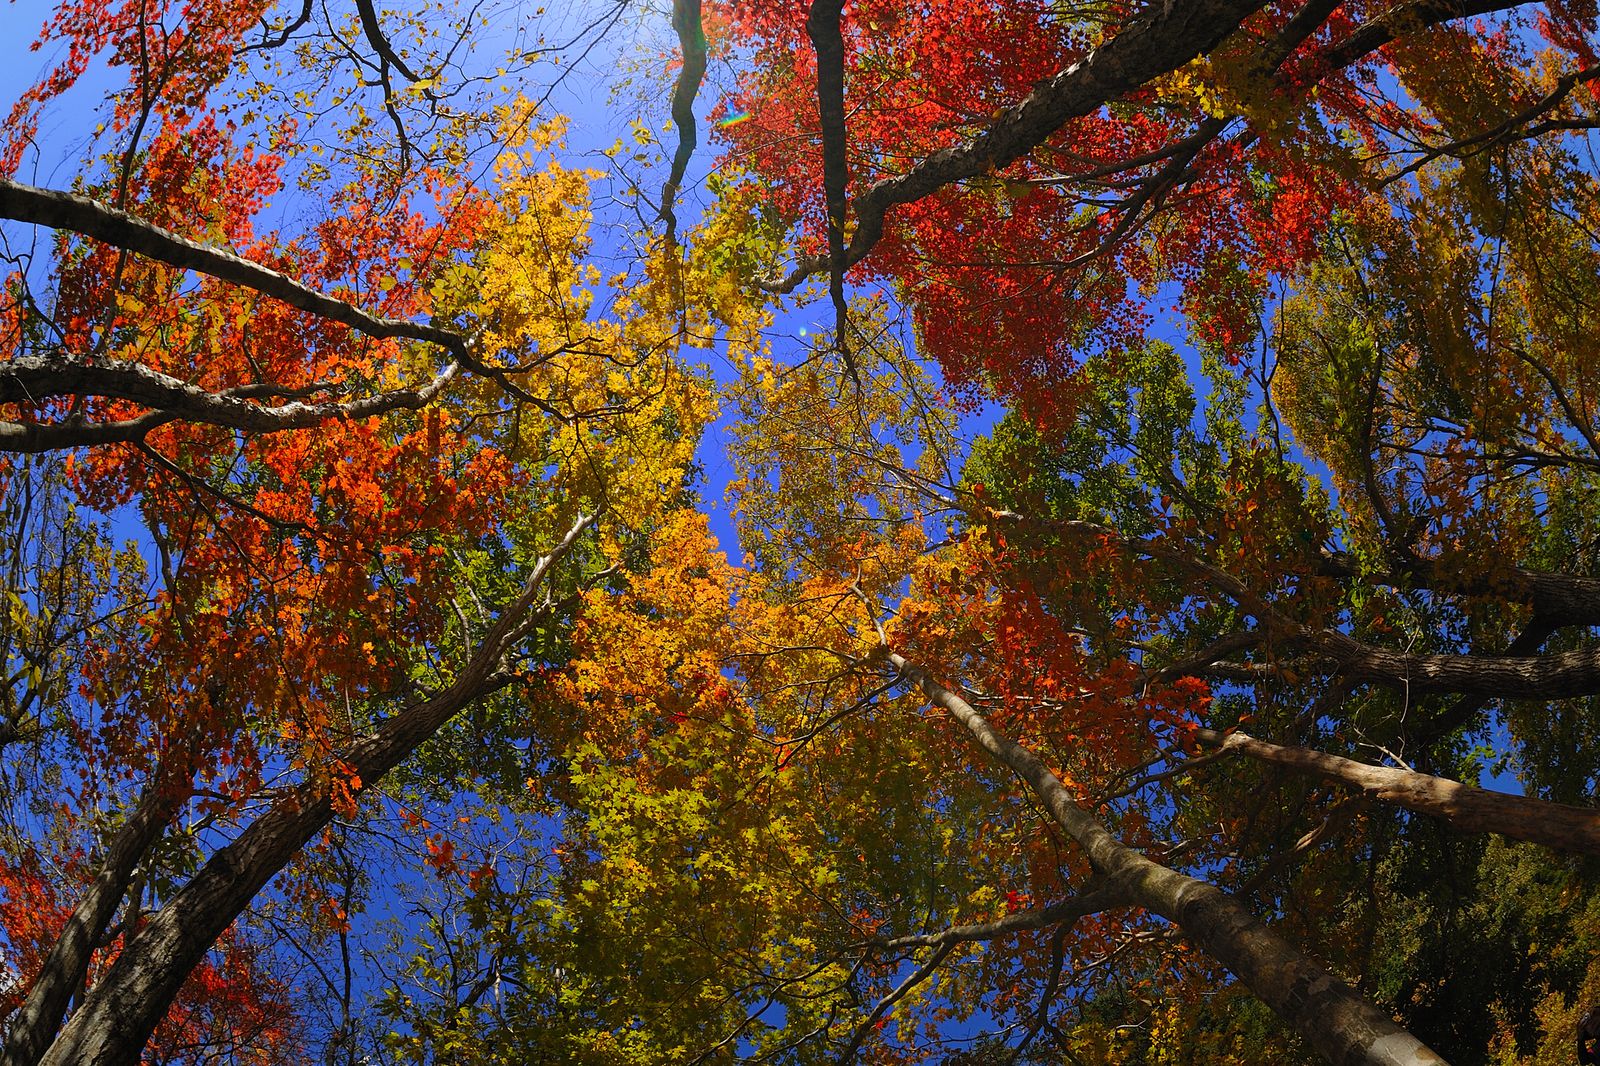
(32, 438)
(62, 974)
(1471, 809)
(125, 1005)
(31, 378)
(1341, 1026)
(1464, 709)
(80, 214)
(1559, 676)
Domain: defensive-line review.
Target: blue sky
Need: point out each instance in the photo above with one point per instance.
(597, 122)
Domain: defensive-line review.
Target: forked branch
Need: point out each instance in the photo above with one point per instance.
(1463, 807)
(1342, 1026)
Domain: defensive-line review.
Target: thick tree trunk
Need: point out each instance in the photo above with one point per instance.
(1565, 675)
(125, 1005)
(1474, 810)
(1341, 1026)
(63, 970)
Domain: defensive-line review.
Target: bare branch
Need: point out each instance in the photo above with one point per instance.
(692, 43)
(31, 378)
(1518, 126)
(1464, 807)
(1336, 1021)
(1214, 652)
(80, 214)
(372, 27)
(904, 988)
(1095, 898)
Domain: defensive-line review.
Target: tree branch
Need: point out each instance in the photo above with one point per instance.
(1095, 898)
(31, 378)
(1405, 18)
(1214, 652)
(1561, 676)
(1473, 810)
(1338, 1023)
(1559, 599)
(82, 215)
(372, 28)
(904, 988)
(1161, 38)
(62, 973)
(692, 44)
(1519, 125)
(1564, 675)
(126, 1003)
(822, 25)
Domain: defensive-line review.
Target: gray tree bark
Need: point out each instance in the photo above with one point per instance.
(1340, 1025)
(124, 1006)
(1473, 810)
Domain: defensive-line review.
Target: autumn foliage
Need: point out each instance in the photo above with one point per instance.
(1047, 539)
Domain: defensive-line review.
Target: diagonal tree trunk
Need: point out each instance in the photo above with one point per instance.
(1343, 1027)
(124, 1006)
(62, 973)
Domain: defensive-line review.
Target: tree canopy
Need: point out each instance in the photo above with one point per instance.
(988, 532)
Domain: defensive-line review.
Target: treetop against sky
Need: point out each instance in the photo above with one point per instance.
(384, 390)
